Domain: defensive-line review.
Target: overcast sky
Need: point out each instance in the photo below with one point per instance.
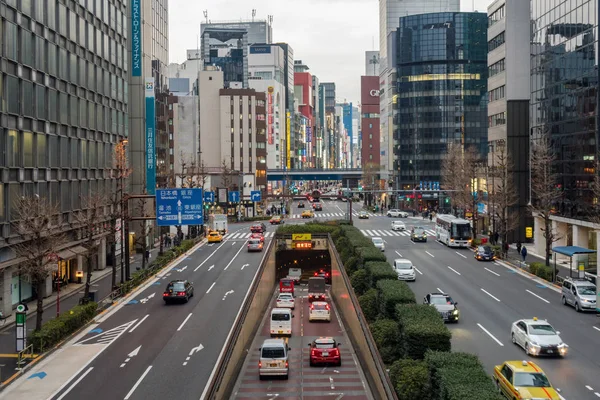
(330, 36)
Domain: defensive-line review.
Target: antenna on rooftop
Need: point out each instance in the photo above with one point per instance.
(205, 12)
(253, 14)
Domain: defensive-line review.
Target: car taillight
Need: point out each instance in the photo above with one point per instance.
(165, 294)
(334, 352)
(313, 353)
(312, 307)
(259, 364)
(180, 293)
(327, 274)
(316, 273)
(286, 364)
(327, 307)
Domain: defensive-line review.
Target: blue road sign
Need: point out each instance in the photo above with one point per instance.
(179, 207)
(209, 197)
(255, 195)
(234, 197)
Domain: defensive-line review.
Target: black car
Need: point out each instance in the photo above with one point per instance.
(484, 253)
(324, 274)
(180, 290)
(258, 228)
(444, 305)
(301, 204)
(418, 234)
(318, 207)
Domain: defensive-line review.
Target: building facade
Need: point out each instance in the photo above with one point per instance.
(508, 97)
(564, 106)
(288, 78)
(258, 31)
(303, 84)
(227, 49)
(317, 144)
(441, 98)
(369, 100)
(329, 132)
(64, 107)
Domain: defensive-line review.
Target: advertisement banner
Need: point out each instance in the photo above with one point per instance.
(150, 137)
(136, 38)
(308, 134)
(288, 138)
(270, 138)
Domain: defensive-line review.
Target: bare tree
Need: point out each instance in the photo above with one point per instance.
(544, 188)
(145, 231)
(452, 174)
(504, 193)
(37, 224)
(369, 181)
(226, 175)
(90, 222)
(119, 173)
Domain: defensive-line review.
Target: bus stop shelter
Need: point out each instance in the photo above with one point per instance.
(571, 251)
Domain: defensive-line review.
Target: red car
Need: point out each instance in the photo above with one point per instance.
(325, 350)
(257, 235)
(258, 228)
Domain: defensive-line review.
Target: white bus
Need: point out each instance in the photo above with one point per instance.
(452, 231)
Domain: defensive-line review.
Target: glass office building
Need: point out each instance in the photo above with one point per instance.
(63, 107)
(564, 94)
(441, 60)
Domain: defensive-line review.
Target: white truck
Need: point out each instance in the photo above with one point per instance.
(217, 222)
(295, 274)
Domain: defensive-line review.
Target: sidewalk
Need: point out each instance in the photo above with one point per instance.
(564, 268)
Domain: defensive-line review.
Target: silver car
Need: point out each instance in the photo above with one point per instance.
(579, 293)
(405, 269)
(255, 245)
(274, 359)
(378, 242)
(537, 337)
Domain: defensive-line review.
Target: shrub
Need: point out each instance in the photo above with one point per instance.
(541, 270)
(310, 227)
(345, 253)
(342, 242)
(447, 372)
(361, 281)
(422, 329)
(352, 265)
(475, 242)
(368, 304)
(370, 254)
(387, 338)
(410, 379)
(59, 328)
(380, 270)
(392, 293)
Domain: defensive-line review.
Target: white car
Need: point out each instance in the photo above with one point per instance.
(319, 311)
(398, 226)
(405, 269)
(397, 214)
(285, 300)
(378, 242)
(537, 337)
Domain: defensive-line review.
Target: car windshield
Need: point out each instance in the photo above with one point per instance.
(285, 297)
(319, 306)
(403, 265)
(286, 284)
(441, 300)
(280, 317)
(586, 290)
(461, 231)
(214, 234)
(255, 241)
(419, 231)
(531, 379)
(325, 345)
(177, 287)
(377, 240)
(541, 329)
(272, 352)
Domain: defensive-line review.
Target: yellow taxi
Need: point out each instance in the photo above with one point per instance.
(215, 237)
(523, 380)
(307, 214)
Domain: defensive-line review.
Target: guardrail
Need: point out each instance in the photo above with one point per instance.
(27, 352)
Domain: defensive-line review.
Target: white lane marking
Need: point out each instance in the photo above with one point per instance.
(462, 255)
(139, 323)
(440, 290)
(453, 270)
(597, 394)
(363, 232)
(76, 382)
(122, 365)
(539, 297)
(589, 387)
(399, 255)
(430, 254)
(211, 286)
(138, 382)
(490, 271)
(211, 267)
(234, 257)
(489, 294)
(184, 321)
(331, 383)
(417, 270)
(207, 258)
(233, 243)
(596, 328)
(489, 334)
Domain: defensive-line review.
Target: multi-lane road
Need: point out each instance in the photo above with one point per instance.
(491, 296)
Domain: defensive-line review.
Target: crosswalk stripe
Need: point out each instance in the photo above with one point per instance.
(370, 233)
(394, 233)
(364, 233)
(385, 233)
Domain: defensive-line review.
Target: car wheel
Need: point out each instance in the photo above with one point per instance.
(564, 300)
(187, 299)
(286, 377)
(497, 382)
(577, 308)
(310, 363)
(512, 338)
(260, 377)
(526, 348)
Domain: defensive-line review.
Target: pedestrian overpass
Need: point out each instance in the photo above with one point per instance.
(313, 174)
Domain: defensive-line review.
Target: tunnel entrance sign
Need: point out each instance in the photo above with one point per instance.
(301, 236)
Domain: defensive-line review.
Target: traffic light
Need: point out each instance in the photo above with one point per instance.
(447, 200)
(206, 206)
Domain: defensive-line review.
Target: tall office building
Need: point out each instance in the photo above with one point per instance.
(390, 12)
(329, 133)
(441, 98)
(317, 143)
(64, 107)
(226, 48)
(304, 97)
(508, 100)
(288, 78)
(369, 99)
(564, 105)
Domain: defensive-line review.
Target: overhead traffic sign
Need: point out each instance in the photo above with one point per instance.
(301, 236)
(255, 195)
(209, 197)
(179, 207)
(234, 197)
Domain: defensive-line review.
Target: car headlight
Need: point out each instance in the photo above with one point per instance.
(455, 312)
(533, 344)
(585, 301)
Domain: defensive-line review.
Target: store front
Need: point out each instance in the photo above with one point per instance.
(67, 265)
(21, 289)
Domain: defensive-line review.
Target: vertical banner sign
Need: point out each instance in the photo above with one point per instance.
(288, 139)
(150, 138)
(270, 114)
(308, 134)
(136, 37)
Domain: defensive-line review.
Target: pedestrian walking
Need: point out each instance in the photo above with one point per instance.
(524, 253)
(519, 247)
(496, 237)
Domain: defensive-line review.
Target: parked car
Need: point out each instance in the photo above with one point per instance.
(579, 293)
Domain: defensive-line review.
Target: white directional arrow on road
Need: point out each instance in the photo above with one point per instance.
(228, 293)
(245, 265)
(211, 267)
(182, 269)
(131, 355)
(194, 350)
(145, 299)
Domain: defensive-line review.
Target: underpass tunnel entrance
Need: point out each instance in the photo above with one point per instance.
(310, 262)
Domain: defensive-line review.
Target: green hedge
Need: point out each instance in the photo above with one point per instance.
(541, 270)
(380, 270)
(387, 338)
(370, 254)
(310, 227)
(410, 379)
(352, 265)
(361, 281)
(369, 305)
(392, 293)
(59, 328)
(422, 329)
(447, 376)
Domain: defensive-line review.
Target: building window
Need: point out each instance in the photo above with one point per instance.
(497, 119)
(496, 42)
(496, 16)
(496, 94)
(370, 125)
(28, 157)
(14, 150)
(496, 68)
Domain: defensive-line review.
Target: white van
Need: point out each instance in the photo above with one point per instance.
(274, 359)
(281, 321)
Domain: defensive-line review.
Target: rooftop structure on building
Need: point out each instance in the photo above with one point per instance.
(258, 30)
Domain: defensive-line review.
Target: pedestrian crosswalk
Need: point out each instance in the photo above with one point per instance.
(384, 232)
(246, 235)
(319, 214)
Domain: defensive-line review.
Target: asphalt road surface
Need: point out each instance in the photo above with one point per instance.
(491, 297)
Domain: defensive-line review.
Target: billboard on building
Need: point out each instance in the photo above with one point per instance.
(136, 37)
(369, 90)
(270, 115)
(260, 49)
(288, 138)
(150, 137)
